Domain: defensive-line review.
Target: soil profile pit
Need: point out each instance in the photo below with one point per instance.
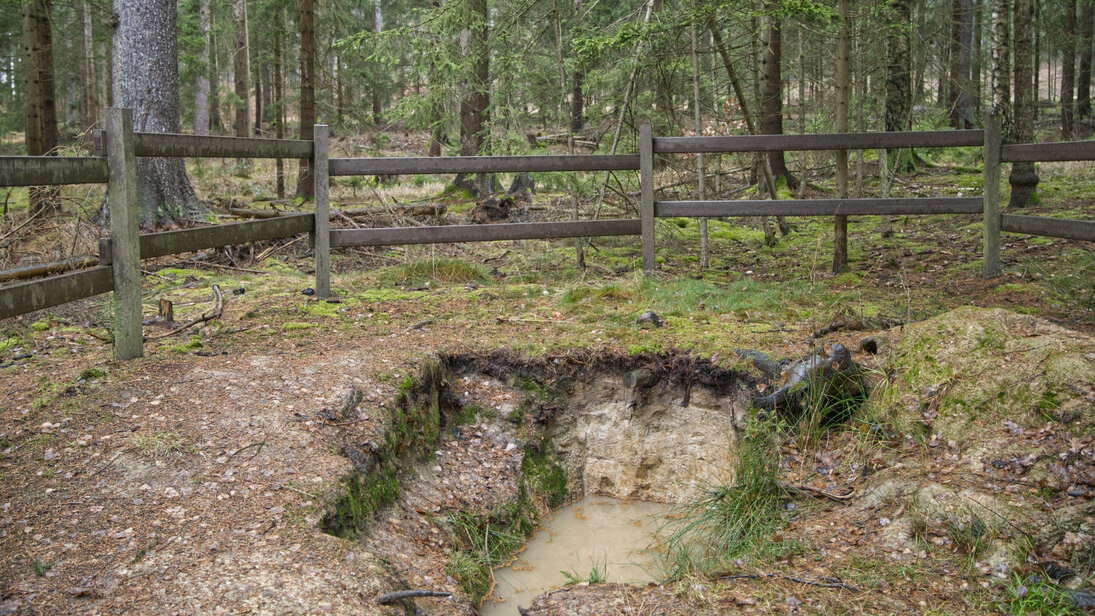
(519, 438)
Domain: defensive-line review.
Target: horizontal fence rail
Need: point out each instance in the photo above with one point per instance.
(483, 164)
(190, 240)
(169, 145)
(50, 170)
(1048, 152)
(34, 295)
(1068, 229)
(823, 141)
(484, 233)
(819, 207)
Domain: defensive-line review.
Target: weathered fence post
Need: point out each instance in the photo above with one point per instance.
(322, 233)
(124, 233)
(991, 194)
(646, 186)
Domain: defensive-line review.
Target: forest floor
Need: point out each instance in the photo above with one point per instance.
(196, 479)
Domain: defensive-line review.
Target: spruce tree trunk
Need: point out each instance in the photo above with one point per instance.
(378, 102)
(278, 107)
(1068, 69)
(958, 99)
(201, 85)
(216, 121)
(577, 101)
(39, 98)
(976, 62)
(305, 187)
(473, 108)
(771, 101)
(89, 104)
(1001, 65)
(241, 67)
(437, 113)
(147, 81)
(1083, 77)
(1023, 178)
(898, 77)
(843, 96)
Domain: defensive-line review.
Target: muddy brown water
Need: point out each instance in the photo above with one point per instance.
(596, 531)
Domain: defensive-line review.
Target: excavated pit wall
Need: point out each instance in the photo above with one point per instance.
(661, 443)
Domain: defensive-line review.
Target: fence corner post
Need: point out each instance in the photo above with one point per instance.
(990, 241)
(646, 186)
(124, 234)
(322, 233)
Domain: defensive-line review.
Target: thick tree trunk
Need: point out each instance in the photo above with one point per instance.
(898, 77)
(305, 187)
(1068, 69)
(1083, 78)
(958, 99)
(89, 104)
(241, 67)
(147, 81)
(1023, 178)
(473, 108)
(843, 96)
(771, 101)
(39, 99)
(201, 85)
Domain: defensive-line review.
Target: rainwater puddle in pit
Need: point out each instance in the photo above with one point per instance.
(595, 531)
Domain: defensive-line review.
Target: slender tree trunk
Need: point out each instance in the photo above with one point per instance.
(843, 96)
(437, 113)
(305, 187)
(771, 102)
(697, 116)
(147, 74)
(242, 70)
(1001, 65)
(958, 99)
(1023, 178)
(216, 120)
(976, 60)
(256, 76)
(1037, 27)
(898, 78)
(89, 105)
(201, 85)
(1068, 69)
(1083, 78)
(278, 106)
(378, 102)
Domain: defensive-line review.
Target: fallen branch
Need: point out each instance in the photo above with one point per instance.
(30, 271)
(399, 595)
(209, 316)
(857, 324)
(227, 267)
(823, 582)
(840, 498)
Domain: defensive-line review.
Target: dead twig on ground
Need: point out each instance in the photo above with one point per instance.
(227, 267)
(821, 582)
(399, 595)
(840, 498)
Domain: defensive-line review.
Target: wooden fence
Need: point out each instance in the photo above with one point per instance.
(120, 255)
